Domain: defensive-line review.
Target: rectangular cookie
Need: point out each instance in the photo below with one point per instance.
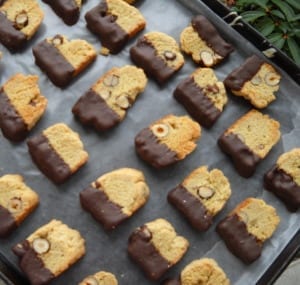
(249, 140)
(49, 251)
(17, 201)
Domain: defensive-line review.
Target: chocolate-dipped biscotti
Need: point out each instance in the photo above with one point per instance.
(247, 227)
(17, 201)
(158, 54)
(202, 95)
(19, 21)
(204, 271)
(114, 22)
(249, 140)
(21, 106)
(156, 247)
(115, 196)
(106, 103)
(201, 196)
(202, 41)
(255, 80)
(100, 278)
(283, 179)
(167, 140)
(67, 10)
(49, 251)
(62, 59)
(58, 152)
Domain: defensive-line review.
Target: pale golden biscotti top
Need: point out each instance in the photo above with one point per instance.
(204, 271)
(100, 278)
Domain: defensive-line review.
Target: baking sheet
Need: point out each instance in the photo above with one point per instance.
(115, 149)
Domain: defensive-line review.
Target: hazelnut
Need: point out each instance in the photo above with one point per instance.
(272, 79)
(41, 245)
(123, 102)
(214, 89)
(105, 94)
(240, 137)
(244, 217)
(111, 80)
(205, 192)
(207, 58)
(169, 55)
(160, 130)
(90, 280)
(147, 234)
(15, 205)
(256, 80)
(57, 40)
(21, 20)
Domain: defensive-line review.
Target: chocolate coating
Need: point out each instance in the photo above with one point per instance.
(10, 37)
(190, 207)
(52, 62)
(284, 187)
(199, 106)
(152, 151)
(65, 9)
(171, 282)
(97, 203)
(7, 222)
(144, 55)
(92, 110)
(144, 253)
(11, 123)
(103, 24)
(244, 159)
(210, 35)
(238, 77)
(238, 240)
(47, 160)
(32, 265)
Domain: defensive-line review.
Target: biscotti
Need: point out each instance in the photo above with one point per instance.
(62, 59)
(58, 152)
(100, 278)
(255, 80)
(204, 271)
(249, 140)
(202, 41)
(49, 251)
(158, 54)
(19, 21)
(201, 196)
(247, 227)
(114, 22)
(167, 140)
(106, 103)
(17, 201)
(283, 179)
(115, 196)
(202, 95)
(156, 247)
(68, 11)
(21, 106)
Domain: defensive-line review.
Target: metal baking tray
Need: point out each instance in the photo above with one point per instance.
(115, 149)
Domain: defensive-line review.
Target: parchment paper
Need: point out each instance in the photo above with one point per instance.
(115, 149)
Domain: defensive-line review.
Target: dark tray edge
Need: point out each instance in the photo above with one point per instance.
(252, 35)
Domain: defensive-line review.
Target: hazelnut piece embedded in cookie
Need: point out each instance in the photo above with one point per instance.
(57, 40)
(21, 20)
(111, 80)
(256, 80)
(15, 204)
(123, 102)
(272, 79)
(160, 130)
(105, 94)
(40, 245)
(169, 55)
(90, 280)
(205, 192)
(207, 58)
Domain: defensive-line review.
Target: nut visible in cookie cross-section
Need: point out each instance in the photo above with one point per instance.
(160, 130)
(41, 245)
(57, 40)
(91, 280)
(123, 101)
(169, 55)
(111, 80)
(205, 192)
(207, 58)
(272, 79)
(21, 20)
(15, 204)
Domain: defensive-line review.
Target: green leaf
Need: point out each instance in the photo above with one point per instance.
(267, 30)
(274, 37)
(294, 49)
(278, 14)
(260, 3)
(279, 43)
(285, 8)
(295, 18)
(294, 3)
(251, 16)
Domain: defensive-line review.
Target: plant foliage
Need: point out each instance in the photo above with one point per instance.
(277, 20)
